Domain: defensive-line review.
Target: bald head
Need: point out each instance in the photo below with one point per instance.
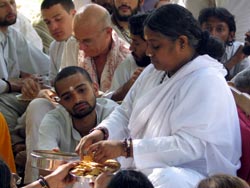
(92, 28)
(92, 15)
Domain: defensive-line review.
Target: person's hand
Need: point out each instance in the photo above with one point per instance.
(247, 39)
(61, 177)
(30, 88)
(47, 94)
(102, 180)
(86, 141)
(107, 149)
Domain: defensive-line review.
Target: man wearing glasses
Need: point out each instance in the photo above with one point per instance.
(101, 50)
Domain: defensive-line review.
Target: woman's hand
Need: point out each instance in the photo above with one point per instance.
(107, 149)
(87, 141)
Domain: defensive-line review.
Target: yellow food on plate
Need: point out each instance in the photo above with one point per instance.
(90, 168)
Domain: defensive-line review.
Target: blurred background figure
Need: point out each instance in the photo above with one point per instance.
(223, 181)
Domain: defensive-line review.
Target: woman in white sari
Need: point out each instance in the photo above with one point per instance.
(178, 123)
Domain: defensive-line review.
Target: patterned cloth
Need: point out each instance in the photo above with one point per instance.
(118, 52)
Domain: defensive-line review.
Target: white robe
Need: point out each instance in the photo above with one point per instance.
(187, 127)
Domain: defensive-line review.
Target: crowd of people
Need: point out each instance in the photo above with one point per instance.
(143, 82)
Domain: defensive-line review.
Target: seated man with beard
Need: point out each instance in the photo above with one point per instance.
(122, 11)
(79, 111)
(128, 71)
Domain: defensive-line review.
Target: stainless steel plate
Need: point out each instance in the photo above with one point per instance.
(50, 160)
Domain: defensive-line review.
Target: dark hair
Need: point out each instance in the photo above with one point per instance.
(223, 181)
(174, 20)
(219, 13)
(66, 4)
(71, 70)
(136, 24)
(130, 179)
(5, 175)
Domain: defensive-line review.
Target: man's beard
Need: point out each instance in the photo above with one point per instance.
(82, 114)
(124, 18)
(6, 22)
(143, 62)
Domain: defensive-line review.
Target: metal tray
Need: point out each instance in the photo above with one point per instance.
(50, 160)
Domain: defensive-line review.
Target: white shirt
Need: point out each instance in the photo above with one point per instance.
(57, 131)
(70, 53)
(16, 55)
(24, 26)
(55, 52)
(189, 121)
(229, 52)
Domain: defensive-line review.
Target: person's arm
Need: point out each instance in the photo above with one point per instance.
(120, 93)
(58, 179)
(235, 59)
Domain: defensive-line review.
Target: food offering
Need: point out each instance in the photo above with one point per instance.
(87, 168)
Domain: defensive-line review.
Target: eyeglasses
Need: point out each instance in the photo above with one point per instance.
(91, 40)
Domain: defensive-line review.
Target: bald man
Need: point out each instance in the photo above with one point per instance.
(101, 50)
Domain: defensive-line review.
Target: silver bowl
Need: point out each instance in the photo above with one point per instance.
(50, 160)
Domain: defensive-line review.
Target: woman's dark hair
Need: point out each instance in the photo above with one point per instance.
(220, 13)
(5, 175)
(223, 181)
(130, 179)
(174, 20)
(66, 4)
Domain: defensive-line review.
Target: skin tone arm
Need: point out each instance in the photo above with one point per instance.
(236, 58)
(58, 179)
(120, 93)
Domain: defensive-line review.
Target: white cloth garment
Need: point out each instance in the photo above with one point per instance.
(16, 55)
(70, 53)
(189, 121)
(19, 55)
(24, 26)
(55, 52)
(80, 3)
(34, 114)
(229, 52)
(122, 74)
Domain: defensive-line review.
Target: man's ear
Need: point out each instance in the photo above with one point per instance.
(95, 89)
(73, 12)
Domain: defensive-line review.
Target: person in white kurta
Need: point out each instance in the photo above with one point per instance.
(180, 112)
(16, 56)
(57, 130)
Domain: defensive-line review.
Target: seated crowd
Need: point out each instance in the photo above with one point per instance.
(149, 89)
